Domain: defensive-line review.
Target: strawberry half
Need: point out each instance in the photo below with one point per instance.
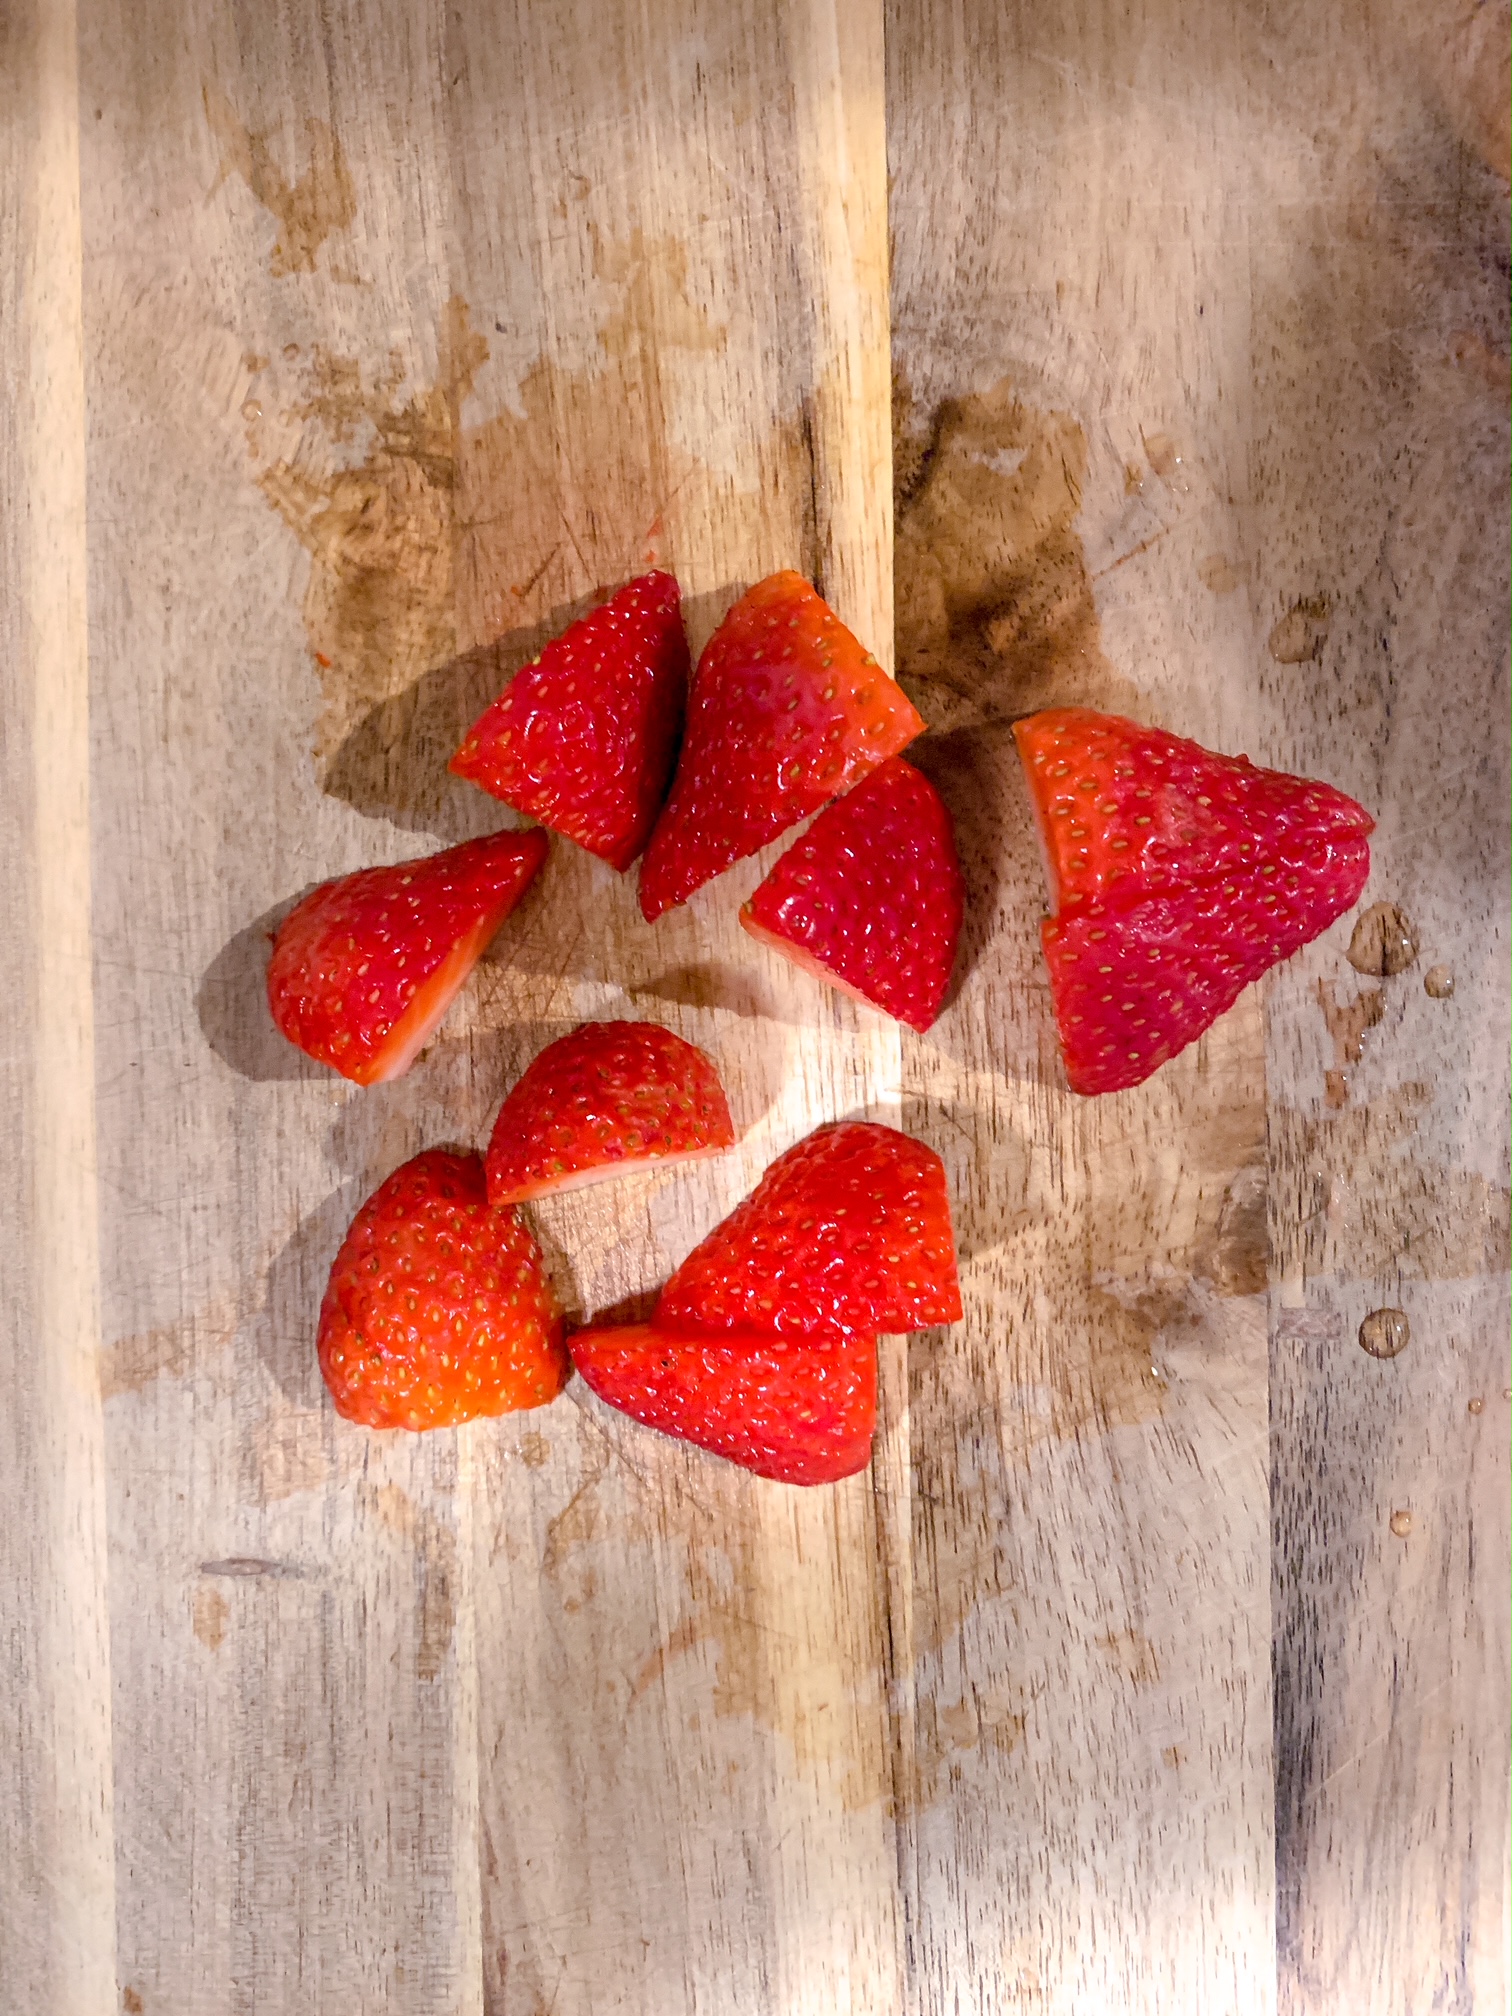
(365, 967)
(584, 738)
(849, 1230)
(801, 1411)
(1176, 878)
(606, 1099)
(870, 898)
(786, 712)
(438, 1307)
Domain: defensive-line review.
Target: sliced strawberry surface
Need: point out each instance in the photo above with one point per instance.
(870, 899)
(584, 738)
(1177, 877)
(801, 1411)
(366, 966)
(848, 1230)
(438, 1307)
(786, 712)
(608, 1098)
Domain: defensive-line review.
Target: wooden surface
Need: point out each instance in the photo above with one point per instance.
(1161, 1662)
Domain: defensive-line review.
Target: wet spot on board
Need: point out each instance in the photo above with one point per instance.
(1298, 637)
(1385, 1333)
(320, 200)
(994, 600)
(1352, 1204)
(446, 553)
(1384, 941)
(1348, 1023)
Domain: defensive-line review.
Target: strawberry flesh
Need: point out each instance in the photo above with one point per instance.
(800, 1410)
(1177, 877)
(870, 898)
(786, 712)
(849, 1230)
(608, 1098)
(584, 737)
(366, 966)
(438, 1308)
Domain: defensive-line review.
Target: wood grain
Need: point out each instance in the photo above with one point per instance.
(57, 1934)
(410, 330)
(1162, 1661)
(1092, 1825)
(1379, 487)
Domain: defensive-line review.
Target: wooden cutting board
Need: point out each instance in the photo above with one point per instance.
(1161, 1661)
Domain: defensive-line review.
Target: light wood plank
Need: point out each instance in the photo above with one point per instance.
(452, 326)
(1380, 471)
(1092, 1800)
(57, 1932)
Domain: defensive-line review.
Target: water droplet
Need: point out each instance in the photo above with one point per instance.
(1385, 1333)
(251, 409)
(1439, 982)
(1401, 1524)
(1384, 941)
(1476, 1405)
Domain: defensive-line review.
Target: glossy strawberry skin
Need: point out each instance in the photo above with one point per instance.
(1179, 877)
(438, 1308)
(849, 1230)
(365, 967)
(870, 899)
(800, 1411)
(585, 737)
(608, 1097)
(786, 712)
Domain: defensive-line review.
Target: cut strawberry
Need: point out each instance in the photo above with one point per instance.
(606, 1099)
(848, 1230)
(366, 966)
(584, 738)
(801, 1411)
(438, 1308)
(1176, 877)
(786, 712)
(870, 898)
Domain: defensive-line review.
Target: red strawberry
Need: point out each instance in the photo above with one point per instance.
(849, 1230)
(584, 738)
(365, 967)
(611, 1097)
(870, 898)
(787, 711)
(1176, 878)
(799, 1410)
(438, 1307)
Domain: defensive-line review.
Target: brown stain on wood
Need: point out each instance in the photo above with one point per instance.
(169, 1350)
(994, 602)
(321, 200)
(1347, 1023)
(443, 554)
(1351, 1202)
(1130, 1653)
(211, 1611)
(435, 1549)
